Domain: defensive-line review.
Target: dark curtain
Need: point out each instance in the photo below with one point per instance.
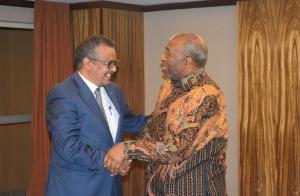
(52, 63)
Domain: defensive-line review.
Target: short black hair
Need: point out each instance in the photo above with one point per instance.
(87, 48)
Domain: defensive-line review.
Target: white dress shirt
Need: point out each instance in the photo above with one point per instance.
(111, 113)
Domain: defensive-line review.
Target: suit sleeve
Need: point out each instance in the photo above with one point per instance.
(64, 127)
(132, 123)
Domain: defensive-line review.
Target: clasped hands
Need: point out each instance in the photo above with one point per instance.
(115, 161)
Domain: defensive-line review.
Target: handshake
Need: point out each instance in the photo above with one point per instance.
(115, 161)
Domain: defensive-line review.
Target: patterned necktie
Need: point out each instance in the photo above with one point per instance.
(99, 101)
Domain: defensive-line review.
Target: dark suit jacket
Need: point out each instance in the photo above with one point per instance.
(81, 138)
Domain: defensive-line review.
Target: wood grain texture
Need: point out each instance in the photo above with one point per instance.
(85, 22)
(15, 82)
(126, 28)
(269, 83)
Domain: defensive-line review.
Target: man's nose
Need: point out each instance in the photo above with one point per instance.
(113, 69)
(162, 57)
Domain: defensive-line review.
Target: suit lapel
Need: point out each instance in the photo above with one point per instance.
(88, 97)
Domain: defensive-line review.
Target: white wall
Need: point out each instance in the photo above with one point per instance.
(218, 27)
(16, 17)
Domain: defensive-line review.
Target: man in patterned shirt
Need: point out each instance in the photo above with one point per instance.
(190, 105)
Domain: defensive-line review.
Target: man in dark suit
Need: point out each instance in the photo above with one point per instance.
(86, 115)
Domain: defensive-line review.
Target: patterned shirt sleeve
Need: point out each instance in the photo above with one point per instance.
(206, 119)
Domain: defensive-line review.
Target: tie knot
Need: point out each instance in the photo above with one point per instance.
(97, 91)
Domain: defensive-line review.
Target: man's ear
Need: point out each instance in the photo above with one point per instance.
(189, 60)
(86, 61)
(185, 61)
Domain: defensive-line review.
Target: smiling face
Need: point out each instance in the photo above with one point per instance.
(174, 59)
(96, 69)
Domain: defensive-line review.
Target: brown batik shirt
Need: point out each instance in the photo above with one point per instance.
(184, 108)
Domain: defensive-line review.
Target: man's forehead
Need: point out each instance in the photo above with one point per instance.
(175, 44)
(105, 47)
(106, 50)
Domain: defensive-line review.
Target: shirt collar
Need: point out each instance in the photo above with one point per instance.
(188, 82)
(91, 85)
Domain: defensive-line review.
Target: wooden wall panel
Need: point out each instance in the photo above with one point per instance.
(85, 22)
(16, 53)
(126, 28)
(269, 83)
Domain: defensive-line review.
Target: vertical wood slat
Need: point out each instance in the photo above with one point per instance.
(85, 22)
(269, 83)
(15, 82)
(126, 28)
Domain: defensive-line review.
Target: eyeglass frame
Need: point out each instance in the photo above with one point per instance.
(110, 64)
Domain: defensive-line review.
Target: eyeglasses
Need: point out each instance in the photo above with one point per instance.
(167, 53)
(110, 64)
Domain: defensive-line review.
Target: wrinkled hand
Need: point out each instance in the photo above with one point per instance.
(114, 158)
(124, 168)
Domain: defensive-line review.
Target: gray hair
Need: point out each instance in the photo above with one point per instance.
(194, 47)
(87, 48)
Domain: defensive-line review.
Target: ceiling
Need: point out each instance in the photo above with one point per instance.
(137, 2)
